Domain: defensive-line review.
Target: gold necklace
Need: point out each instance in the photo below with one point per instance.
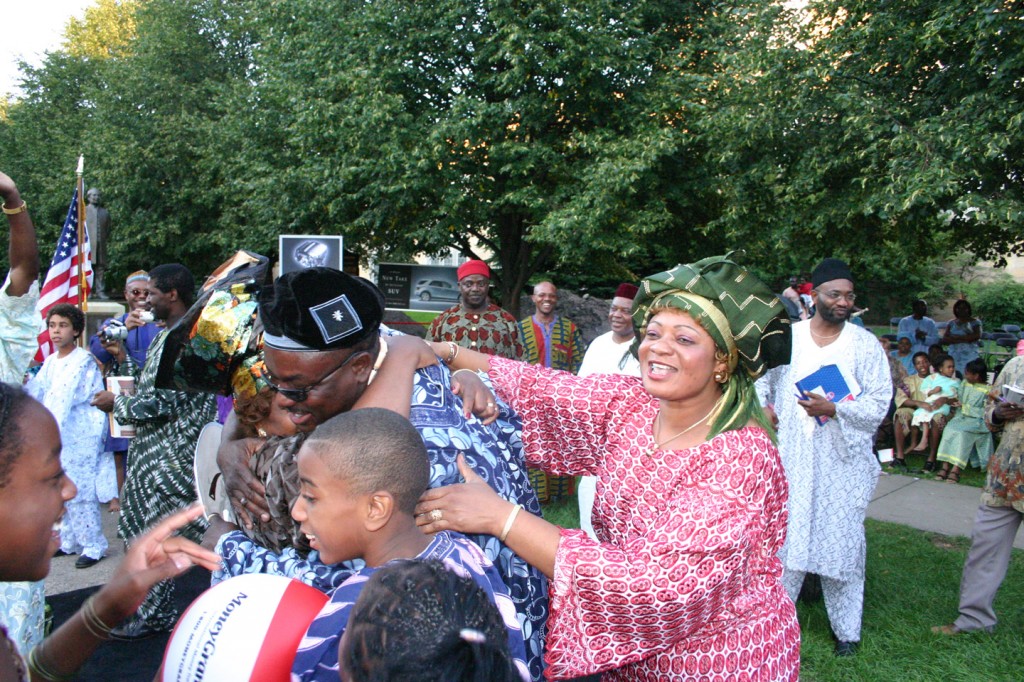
(820, 336)
(659, 446)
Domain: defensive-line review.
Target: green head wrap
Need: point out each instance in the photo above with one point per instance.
(745, 319)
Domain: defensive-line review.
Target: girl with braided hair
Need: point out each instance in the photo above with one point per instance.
(33, 491)
(418, 621)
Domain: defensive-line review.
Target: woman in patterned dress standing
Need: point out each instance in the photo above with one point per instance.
(683, 581)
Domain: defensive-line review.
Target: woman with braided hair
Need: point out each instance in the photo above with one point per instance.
(33, 492)
(683, 581)
(421, 622)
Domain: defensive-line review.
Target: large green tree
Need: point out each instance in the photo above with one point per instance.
(889, 133)
(548, 133)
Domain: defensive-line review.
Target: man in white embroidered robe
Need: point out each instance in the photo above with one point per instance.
(830, 467)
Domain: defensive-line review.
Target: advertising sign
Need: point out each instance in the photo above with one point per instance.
(300, 251)
(430, 288)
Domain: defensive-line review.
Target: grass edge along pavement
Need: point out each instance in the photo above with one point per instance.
(913, 583)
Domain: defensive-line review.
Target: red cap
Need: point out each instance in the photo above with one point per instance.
(474, 267)
(626, 290)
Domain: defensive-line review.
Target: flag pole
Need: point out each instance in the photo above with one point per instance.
(83, 285)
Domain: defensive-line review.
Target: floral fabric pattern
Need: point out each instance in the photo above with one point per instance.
(494, 331)
(1004, 484)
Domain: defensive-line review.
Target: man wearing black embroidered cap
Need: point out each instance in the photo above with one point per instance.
(826, 449)
(322, 345)
(309, 341)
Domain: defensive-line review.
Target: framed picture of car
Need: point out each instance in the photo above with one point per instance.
(301, 251)
(431, 288)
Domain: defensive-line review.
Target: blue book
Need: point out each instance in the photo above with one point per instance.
(831, 382)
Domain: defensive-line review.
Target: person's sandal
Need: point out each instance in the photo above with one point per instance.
(950, 630)
(898, 463)
(941, 474)
(954, 477)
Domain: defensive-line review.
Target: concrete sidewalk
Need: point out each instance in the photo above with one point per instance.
(929, 505)
(64, 577)
(925, 504)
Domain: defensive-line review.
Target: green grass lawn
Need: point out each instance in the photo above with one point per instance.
(421, 316)
(913, 582)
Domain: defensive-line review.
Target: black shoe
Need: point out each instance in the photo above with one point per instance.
(86, 562)
(133, 630)
(846, 648)
(898, 463)
(61, 552)
(929, 466)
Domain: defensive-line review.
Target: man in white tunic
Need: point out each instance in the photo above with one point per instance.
(608, 354)
(830, 467)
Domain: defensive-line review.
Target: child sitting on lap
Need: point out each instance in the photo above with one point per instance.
(361, 474)
(939, 390)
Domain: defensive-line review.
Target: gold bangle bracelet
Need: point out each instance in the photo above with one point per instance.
(15, 211)
(43, 670)
(93, 623)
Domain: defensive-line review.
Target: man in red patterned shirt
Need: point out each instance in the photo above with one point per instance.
(475, 322)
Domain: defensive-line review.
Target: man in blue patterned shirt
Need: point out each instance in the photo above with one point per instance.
(322, 346)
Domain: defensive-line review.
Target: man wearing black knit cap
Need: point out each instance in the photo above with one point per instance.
(322, 345)
(318, 321)
(826, 449)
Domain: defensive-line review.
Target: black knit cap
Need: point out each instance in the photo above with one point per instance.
(319, 309)
(828, 270)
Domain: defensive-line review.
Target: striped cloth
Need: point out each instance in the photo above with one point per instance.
(61, 283)
(160, 474)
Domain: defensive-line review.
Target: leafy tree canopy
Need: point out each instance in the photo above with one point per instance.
(889, 133)
(601, 140)
(105, 31)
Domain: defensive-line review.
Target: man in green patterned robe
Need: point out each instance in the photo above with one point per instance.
(159, 476)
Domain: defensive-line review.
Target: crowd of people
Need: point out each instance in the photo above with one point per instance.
(405, 478)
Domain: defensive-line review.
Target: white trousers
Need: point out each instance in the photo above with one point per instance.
(844, 602)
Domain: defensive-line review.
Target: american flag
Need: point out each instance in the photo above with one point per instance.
(61, 283)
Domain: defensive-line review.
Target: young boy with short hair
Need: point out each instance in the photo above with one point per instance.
(361, 474)
(66, 384)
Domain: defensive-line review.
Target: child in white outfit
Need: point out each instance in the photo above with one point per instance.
(941, 386)
(65, 385)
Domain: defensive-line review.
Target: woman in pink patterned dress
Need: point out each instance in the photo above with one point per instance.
(683, 582)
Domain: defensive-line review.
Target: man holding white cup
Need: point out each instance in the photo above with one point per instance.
(127, 334)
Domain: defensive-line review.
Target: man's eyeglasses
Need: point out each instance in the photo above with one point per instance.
(619, 309)
(299, 395)
(836, 295)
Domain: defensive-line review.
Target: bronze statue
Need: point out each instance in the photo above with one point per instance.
(97, 221)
